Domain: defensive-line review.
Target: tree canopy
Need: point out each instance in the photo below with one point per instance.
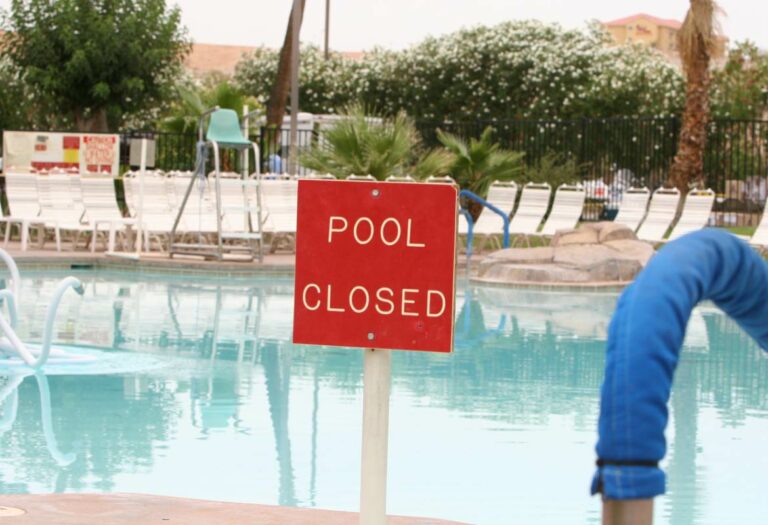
(740, 89)
(512, 70)
(94, 63)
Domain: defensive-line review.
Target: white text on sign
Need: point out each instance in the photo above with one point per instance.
(364, 230)
(408, 302)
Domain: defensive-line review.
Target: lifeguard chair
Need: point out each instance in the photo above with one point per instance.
(223, 132)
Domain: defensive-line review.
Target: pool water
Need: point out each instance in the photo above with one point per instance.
(214, 402)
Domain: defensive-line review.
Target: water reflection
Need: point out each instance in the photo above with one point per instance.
(269, 422)
(9, 402)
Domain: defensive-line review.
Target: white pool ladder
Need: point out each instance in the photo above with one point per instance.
(11, 346)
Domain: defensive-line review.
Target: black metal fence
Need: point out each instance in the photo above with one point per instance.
(175, 151)
(638, 150)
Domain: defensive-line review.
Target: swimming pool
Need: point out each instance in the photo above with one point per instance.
(222, 406)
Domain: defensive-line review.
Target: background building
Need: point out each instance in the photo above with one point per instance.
(658, 33)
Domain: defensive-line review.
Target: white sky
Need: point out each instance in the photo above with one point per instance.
(362, 24)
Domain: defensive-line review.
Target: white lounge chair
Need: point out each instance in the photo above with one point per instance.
(566, 209)
(502, 195)
(661, 213)
(634, 205)
(59, 207)
(279, 197)
(157, 214)
(101, 209)
(534, 203)
(696, 212)
(24, 206)
(759, 238)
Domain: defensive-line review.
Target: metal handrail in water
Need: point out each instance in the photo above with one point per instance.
(11, 344)
(470, 231)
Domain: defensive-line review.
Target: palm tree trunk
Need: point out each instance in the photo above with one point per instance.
(696, 42)
(688, 165)
(96, 123)
(279, 95)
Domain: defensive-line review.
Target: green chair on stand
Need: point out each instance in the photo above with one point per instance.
(224, 132)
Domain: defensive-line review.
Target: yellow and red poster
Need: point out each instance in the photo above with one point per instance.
(94, 152)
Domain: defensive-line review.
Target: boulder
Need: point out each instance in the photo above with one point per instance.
(615, 232)
(638, 250)
(596, 253)
(542, 254)
(580, 236)
(534, 273)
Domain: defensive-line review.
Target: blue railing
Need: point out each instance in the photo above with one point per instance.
(470, 231)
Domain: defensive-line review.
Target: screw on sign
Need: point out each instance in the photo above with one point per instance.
(375, 265)
(375, 269)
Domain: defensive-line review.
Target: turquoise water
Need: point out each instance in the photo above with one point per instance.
(222, 406)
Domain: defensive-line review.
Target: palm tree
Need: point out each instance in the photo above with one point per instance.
(475, 165)
(697, 39)
(360, 144)
(279, 93)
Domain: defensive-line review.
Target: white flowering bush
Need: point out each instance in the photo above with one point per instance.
(325, 86)
(520, 70)
(515, 70)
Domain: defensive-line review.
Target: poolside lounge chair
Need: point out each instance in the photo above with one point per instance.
(157, 211)
(759, 238)
(502, 195)
(24, 206)
(101, 210)
(534, 203)
(399, 178)
(661, 213)
(59, 207)
(441, 180)
(280, 202)
(634, 205)
(696, 212)
(566, 210)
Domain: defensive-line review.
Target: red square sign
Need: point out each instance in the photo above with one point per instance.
(375, 265)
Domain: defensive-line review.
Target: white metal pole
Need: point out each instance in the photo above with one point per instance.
(327, 28)
(373, 480)
(140, 214)
(245, 134)
(296, 27)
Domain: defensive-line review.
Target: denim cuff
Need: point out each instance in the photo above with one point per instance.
(627, 482)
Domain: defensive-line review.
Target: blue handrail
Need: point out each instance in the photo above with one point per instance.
(470, 233)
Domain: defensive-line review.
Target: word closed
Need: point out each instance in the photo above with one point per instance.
(375, 265)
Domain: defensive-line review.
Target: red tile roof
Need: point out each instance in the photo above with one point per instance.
(207, 58)
(673, 24)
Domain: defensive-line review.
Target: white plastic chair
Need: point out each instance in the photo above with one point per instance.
(101, 210)
(661, 213)
(534, 203)
(158, 214)
(279, 197)
(24, 206)
(634, 205)
(502, 195)
(696, 212)
(566, 210)
(59, 208)
(759, 238)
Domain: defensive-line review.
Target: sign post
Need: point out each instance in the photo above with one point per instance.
(373, 475)
(375, 269)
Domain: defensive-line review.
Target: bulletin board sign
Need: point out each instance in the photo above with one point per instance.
(94, 152)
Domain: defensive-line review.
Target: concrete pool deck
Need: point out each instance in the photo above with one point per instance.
(139, 509)
(156, 261)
